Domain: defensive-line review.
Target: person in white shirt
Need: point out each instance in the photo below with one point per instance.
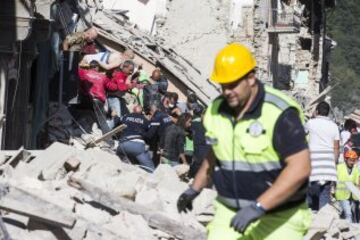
(349, 128)
(324, 144)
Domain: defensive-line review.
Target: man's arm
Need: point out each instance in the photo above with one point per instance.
(293, 176)
(66, 45)
(115, 60)
(203, 176)
(337, 150)
(109, 66)
(290, 143)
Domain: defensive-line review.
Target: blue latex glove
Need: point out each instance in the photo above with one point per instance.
(245, 216)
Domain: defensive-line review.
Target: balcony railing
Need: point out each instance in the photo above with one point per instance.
(284, 21)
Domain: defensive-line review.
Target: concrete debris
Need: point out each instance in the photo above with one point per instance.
(96, 196)
(327, 225)
(182, 170)
(179, 70)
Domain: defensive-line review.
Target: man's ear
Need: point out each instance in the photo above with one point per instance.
(251, 79)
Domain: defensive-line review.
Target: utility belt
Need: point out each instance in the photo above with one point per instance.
(131, 138)
(233, 203)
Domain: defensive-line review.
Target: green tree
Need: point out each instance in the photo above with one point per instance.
(343, 26)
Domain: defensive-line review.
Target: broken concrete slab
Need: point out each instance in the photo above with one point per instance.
(97, 216)
(72, 164)
(155, 219)
(150, 198)
(204, 203)
(121, 183)
(47, 164)
(130, 225)
(25, 203)
(182, 170)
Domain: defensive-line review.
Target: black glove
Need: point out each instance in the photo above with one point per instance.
(184, 202)
(245, 216)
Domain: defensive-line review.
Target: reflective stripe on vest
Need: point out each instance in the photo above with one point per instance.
(244, 149)
(251, 167)
(342, 192)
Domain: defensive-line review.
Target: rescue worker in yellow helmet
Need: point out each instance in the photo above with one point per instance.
(259, 159)
(348, 172)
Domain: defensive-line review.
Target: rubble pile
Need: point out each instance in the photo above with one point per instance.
(67, 193)
(327, 225)
(77, 131)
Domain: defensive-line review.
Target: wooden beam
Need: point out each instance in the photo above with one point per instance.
(107, 135)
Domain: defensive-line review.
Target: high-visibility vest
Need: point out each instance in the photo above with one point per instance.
(342, 193)
(246, 162)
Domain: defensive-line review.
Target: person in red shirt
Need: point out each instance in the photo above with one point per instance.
(116, 87)
(92, 92)
(92, 82)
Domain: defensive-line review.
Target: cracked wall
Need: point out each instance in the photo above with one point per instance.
(197, 30)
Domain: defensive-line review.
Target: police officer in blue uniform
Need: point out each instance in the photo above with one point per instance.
(159, 121)
(132, 139)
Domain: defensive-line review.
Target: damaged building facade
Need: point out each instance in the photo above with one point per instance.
(24, 26)
(288, 38)
(34, 92)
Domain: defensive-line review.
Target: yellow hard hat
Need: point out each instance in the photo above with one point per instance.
(232, 63)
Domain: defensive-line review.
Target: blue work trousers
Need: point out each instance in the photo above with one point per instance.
(319, 195)
(136, 152)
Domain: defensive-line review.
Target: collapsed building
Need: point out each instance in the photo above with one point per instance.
(31, 85)
(65, 192)
(288, 38)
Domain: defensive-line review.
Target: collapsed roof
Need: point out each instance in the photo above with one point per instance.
(112, 28)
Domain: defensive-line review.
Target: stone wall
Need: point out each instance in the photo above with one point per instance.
(197, 30)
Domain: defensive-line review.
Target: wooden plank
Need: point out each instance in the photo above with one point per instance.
(319, 98)
(25, 203)
(154, 218)
(357, 112)
(105, 136)
(355, 118)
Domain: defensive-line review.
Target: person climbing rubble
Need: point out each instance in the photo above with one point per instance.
(259, 158)
(174, 140)
(159, 122)
(132, 139)
(116, 88)
(201, 148)
(92, 92)
(155, 91)
(348, 172)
